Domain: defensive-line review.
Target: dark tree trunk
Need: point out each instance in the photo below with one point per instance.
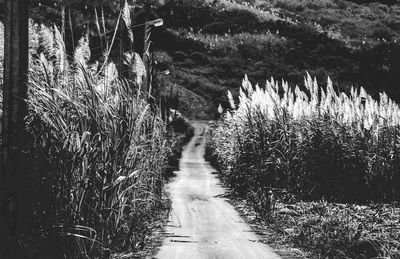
(13, 210)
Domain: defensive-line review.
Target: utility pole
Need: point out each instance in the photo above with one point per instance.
(146, 47)
(121, 39)
(71, 27)
(63, 19)
(15, 87)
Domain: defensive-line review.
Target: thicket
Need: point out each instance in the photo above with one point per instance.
(235, 40)
(95, 152)
(315, 143)
(297, 156)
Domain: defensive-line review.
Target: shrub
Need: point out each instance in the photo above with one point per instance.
(311, 145)
(382, 32)
(94, 155)
(179, 56)
(215, 28)
(199, 57)
(314, 144)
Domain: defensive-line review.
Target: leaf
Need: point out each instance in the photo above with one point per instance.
(126, 16)
(60, 51)
(82, 52)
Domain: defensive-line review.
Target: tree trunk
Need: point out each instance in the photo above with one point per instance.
(13, 209)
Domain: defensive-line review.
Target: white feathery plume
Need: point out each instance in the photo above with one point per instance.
(47, 41)
(82, 52)
(231, 101)
(60, 51)
(126, 16)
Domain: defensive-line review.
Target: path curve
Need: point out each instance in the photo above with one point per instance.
(203, 224)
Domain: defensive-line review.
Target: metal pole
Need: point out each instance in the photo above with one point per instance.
(63, 19)
(145, 46)
(71, 27)
(121, 39)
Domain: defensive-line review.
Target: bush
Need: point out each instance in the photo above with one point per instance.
(199, 57)
(215, 28)
(277, 146)
(179, 56)
(248, 50)
(335, 147)
(292, 6)
(94, 155)
(383, 33)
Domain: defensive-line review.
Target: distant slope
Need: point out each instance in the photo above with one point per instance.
(215, 43)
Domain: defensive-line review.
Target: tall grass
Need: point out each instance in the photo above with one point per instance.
(287, 152)
(316, 143)
(256, 43)
(95, 154)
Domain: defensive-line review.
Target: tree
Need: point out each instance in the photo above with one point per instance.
(12, 218)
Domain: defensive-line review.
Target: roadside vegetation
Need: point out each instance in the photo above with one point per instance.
(96, 151)
(320, 165)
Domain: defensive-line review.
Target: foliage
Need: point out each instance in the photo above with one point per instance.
(327, 230)
(182, 132)
(262, 43)
(316, 144)
(343, 230)
(324, 39)
(95, 156)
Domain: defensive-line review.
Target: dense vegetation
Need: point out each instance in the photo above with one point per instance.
(312, 145)
(315, 144)
(284, 148)
(209, 45)
(214, 43)
(95, 153)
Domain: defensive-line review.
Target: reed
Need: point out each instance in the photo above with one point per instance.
(95, 154)
(301, 158)
(316, 143)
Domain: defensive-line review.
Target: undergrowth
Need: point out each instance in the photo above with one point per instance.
(95, 152)
(311, 145)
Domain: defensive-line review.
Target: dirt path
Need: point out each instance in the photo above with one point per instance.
(202, 223)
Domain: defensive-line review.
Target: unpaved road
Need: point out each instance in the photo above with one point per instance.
(203, 224)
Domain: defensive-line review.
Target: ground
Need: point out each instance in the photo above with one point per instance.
(202, 223)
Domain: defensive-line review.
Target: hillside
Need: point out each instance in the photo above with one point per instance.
(208, 46)
(211, 45)
(92, 133)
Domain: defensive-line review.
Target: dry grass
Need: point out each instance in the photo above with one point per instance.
(227, 43)
(321, 229)
(95, 154)
(313, 144)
